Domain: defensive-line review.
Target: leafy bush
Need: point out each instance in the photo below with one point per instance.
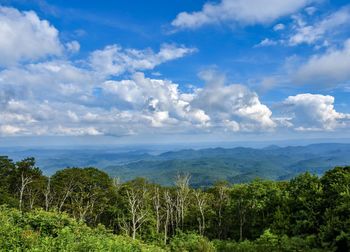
(268, 242)
(190, 242)
(50, 231)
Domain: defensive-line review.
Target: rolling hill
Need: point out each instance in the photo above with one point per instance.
(206, 166)
(235, 165)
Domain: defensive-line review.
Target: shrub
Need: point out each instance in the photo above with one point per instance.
(190, 242)
(50, 231)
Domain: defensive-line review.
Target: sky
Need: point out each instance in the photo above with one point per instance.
(173, 71)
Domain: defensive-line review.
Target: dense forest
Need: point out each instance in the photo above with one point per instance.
(83, 209)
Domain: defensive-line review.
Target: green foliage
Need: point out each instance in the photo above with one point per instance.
(50, 231)
(268, 242)
(85, 193)
(335, 230)
(86, 210)
(190, 242)
(304, 200)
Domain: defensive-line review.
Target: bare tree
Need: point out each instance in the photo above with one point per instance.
(242, 210)
(221, 200)
(137, 209)
(47, 194)
(168, 213)
(117, 182)
(84, 201)
(157, 207)
(176, 215)
(173, 213)
(183, 189)
(33, 194)
(124, 225)
(67, 190)
(25, 181)
(201, 204)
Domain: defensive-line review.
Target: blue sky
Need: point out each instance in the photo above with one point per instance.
(174, 70)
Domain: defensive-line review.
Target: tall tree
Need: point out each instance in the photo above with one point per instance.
(202, 203)
(335, 230)
(220, 192)
(8, 181)
(304, 202)
(28, 173)
(85, 193)
(182, 192)
(137, 208)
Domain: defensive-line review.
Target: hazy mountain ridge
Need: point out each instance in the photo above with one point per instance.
(239, 164)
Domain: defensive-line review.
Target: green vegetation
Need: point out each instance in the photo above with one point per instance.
(39, 230)
(83, 209)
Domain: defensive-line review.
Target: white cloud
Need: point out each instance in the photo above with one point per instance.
(8, 130)
(279, 27)
(246, 12)
(61, 97)
(78, 131)
(73, 46)
(310, 34)
(141, 105)
(132, 106)
(233, 106)
(159, 100)
(313, 112)
(58, 97)
(114, 60)
(48, 80)
(310, 10)
(330, 68)
(23, 36)
(266, 42)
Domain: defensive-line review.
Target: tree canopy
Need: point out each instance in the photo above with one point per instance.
(83, 209)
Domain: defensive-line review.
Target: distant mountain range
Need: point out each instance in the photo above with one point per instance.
(236, 165)
(206, 166)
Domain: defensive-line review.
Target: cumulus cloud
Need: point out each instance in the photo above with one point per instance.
(24, 36)
(330, 68)
(56, 96)
(121, 108)
(313, 112)
(140, 105)
(159, 101)
(131, 106)
(245, 12)
(115, 60)
(41, 96)
(56, 80)
(235, 108)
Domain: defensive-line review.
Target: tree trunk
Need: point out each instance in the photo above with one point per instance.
(241, 229)
(47, 195)
(24, 182)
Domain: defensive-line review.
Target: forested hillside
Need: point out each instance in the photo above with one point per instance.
(206, 166)
(235, 165)
(84, 209)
